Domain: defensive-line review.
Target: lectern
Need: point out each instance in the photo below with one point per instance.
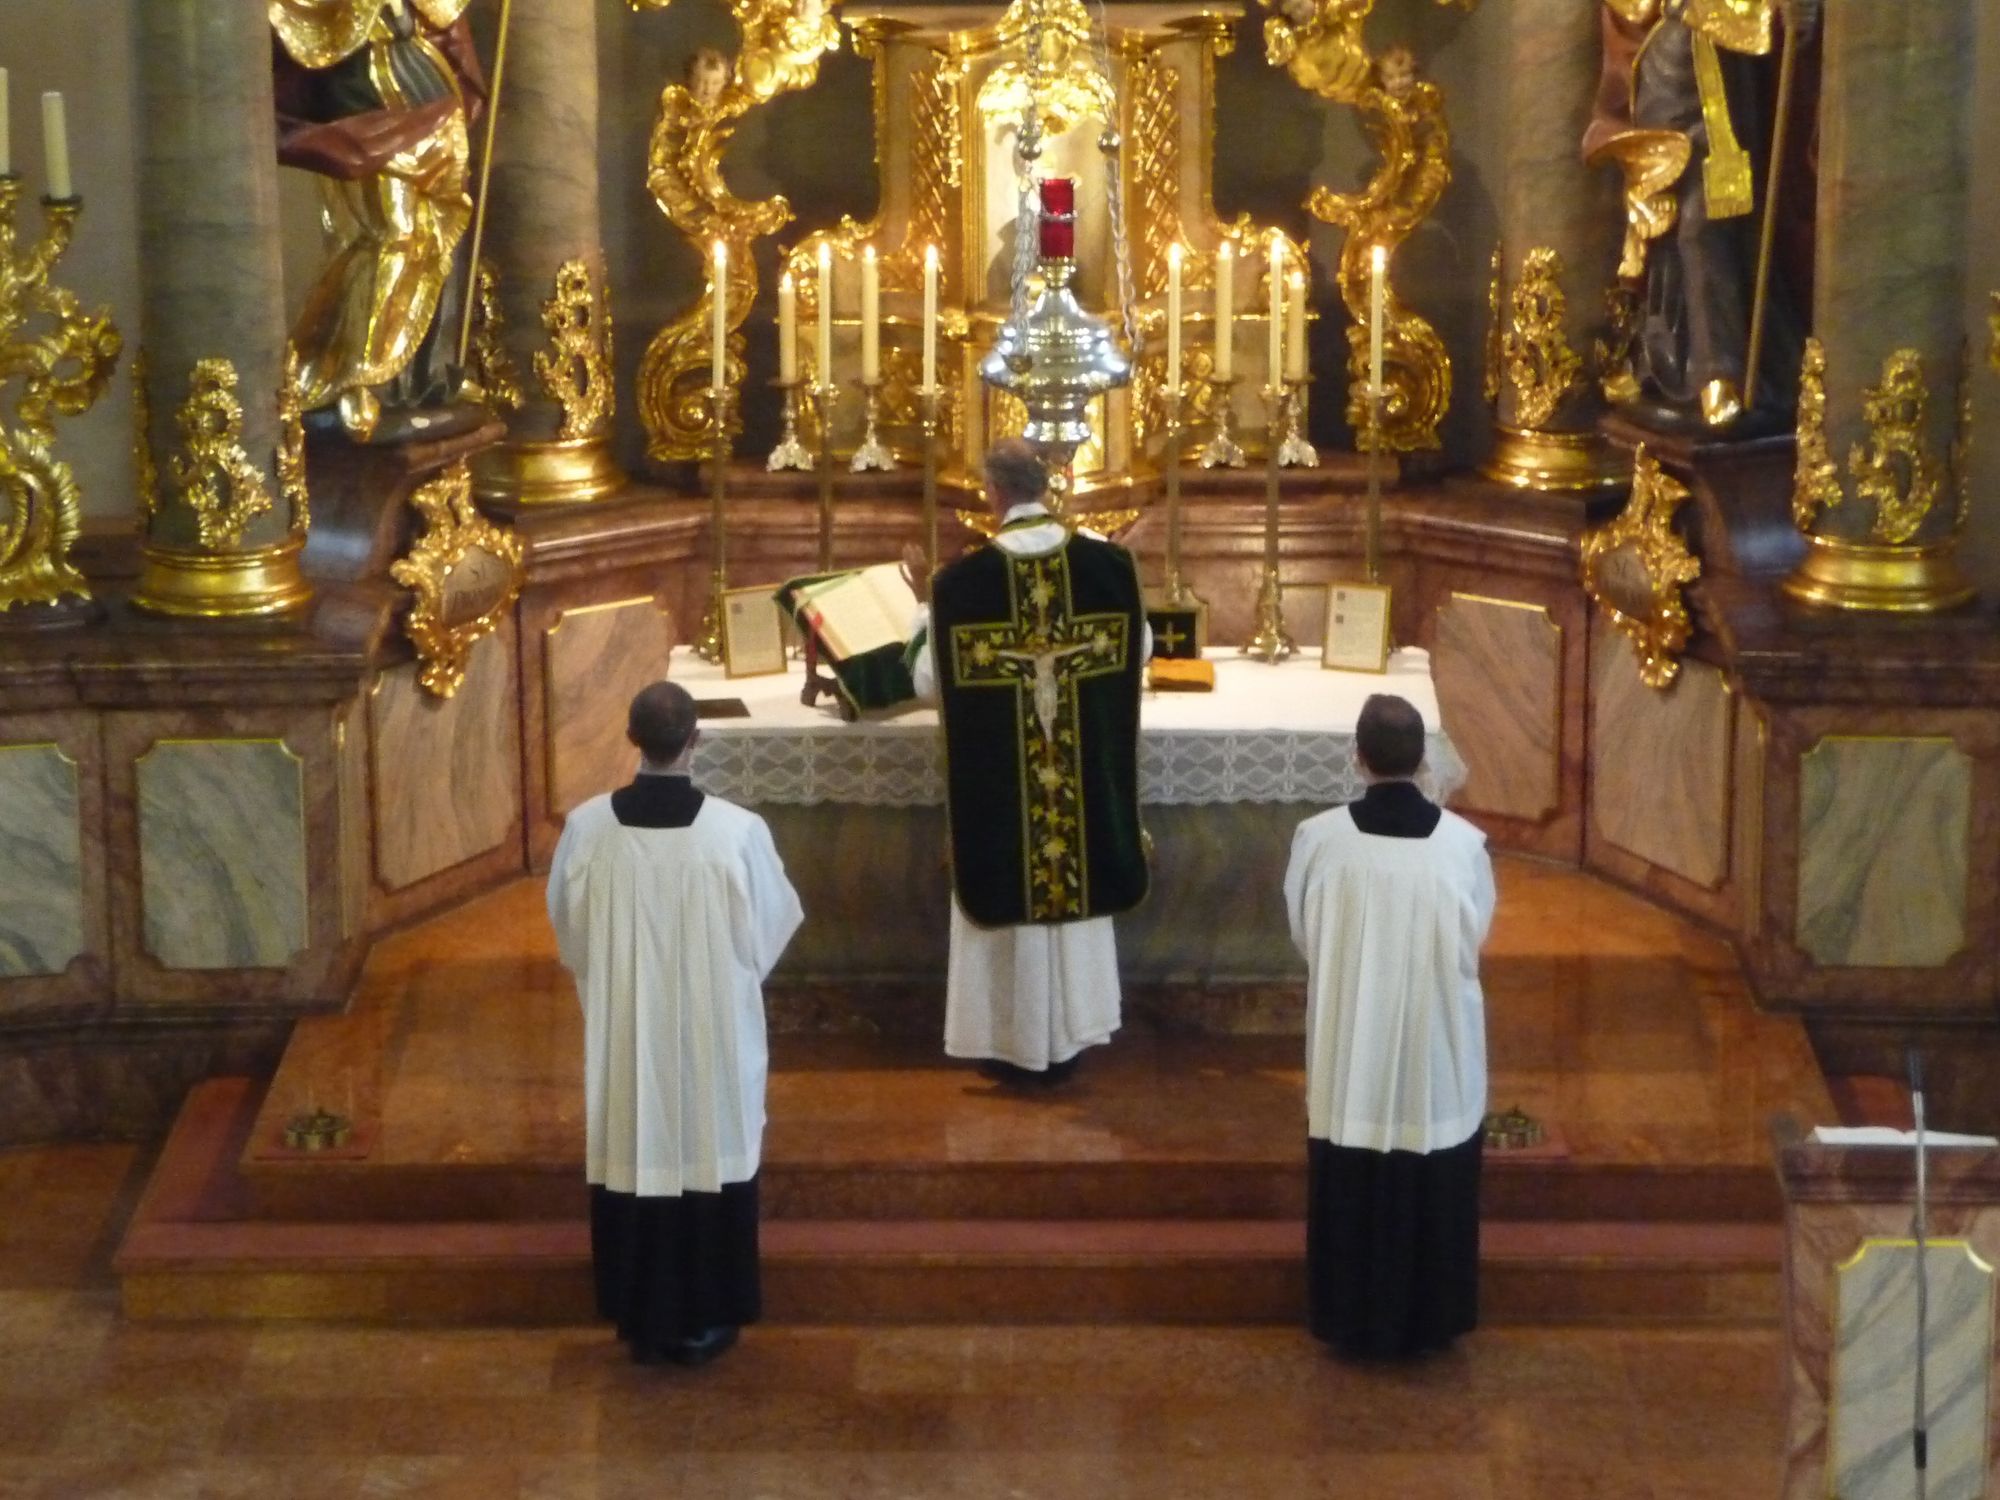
(1855, 1364)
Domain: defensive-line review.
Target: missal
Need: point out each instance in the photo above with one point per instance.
(857, 623)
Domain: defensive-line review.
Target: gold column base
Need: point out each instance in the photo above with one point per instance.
(222, 585)
(1837, 574)
(558, 472)
(1559, 462)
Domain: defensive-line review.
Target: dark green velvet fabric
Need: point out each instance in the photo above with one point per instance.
(871, 680)
(995, 795)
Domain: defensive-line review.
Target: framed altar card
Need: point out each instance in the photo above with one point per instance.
(753, 632)
(1357, 628)
(1180, 631)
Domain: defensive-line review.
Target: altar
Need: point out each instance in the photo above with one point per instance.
(857, 810)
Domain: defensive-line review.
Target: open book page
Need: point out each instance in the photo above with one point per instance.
(858, 612)
(1884, 1135)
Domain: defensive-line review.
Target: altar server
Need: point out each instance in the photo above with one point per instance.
(670, 909)
(1390, 900)
(1033, 646)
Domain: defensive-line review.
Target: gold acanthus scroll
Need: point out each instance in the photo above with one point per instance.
(1320, 43)
(783, 41)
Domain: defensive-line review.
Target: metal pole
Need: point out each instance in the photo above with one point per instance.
(1767, 233)
(485, 177)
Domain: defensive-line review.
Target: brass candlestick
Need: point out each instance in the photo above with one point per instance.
(1176, 592)
(823, 393)
(1374, 533)
(40, 511)
(790, 452)
(1272, 643)
(873, 452)
(928, 399)
(708, 645)
(1295, 452)
(1222, 451)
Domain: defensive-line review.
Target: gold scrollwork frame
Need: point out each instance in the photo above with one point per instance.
(782, 43)
(1658, 627)
(575, 370)
(1403, 117)
(454, 528)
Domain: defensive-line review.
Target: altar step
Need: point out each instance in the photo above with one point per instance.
(197, 1250)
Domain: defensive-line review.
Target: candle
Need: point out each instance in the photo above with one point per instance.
(788, 329)
(1378, 269)
(55, 141)
(871, 317)
(930, 317)
(1274, 352)
(824, 349)
(1174, 319)
(1295, 328)
(6, 158)
(719, 326)
(1225, 311)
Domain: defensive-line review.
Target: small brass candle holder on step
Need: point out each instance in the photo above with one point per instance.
(1222, 451)
(318, 1129)
(708, 643)
(1295, 452)
(823, 394)
(1272, 643)
(790, 453)
(873, 452)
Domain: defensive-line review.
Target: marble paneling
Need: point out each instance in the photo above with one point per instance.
(41, 861)
(222, 853)
(1883, 827)
(1875, 1357)
(1753, 740)
(594, 659)
(1660, 763)
(350, 770)
(447, 771)
(1498, 665)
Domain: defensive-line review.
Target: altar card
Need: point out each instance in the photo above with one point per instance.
(1357, 628)
(753, 632)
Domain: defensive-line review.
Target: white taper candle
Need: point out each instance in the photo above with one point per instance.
(55, 141)
(1174, 318)
(1274, 353)
(823, 350)
(1295, 327)
(718, 351)
(930, 316)
(788, 329)
(1378, 258)
(871, 318)
(1225, 311)
(6, 146)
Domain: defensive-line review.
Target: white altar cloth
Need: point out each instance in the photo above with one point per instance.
(1280, 733)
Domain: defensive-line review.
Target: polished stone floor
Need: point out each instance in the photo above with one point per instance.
(1629, 1031)
(94, 1406)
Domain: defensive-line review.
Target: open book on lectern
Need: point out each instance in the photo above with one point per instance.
(859, 621)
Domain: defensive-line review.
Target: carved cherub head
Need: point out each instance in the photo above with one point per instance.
(707, 76)
(1298, 13)
(1399, 72)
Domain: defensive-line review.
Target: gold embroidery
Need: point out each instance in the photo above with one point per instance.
(1042, 659)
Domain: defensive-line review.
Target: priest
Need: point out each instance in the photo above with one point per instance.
(670, 908)
(1390, 900)
(1033, 647)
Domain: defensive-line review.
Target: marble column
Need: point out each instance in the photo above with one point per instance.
(1888, 309)
(543, 244)
(1560, 224)
(223, 509)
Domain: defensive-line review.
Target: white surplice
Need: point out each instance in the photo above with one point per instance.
(670, 933)
(1396, 1030)
(1037, 994)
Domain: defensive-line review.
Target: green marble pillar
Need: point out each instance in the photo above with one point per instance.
(223, 527)
(1877, 486)
(1560, 224)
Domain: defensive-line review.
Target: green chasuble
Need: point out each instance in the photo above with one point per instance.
(1038, 673)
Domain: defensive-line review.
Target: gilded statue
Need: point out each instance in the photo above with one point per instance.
(377, 99)
(1321, 44)
(783, 41)
(1692, 109)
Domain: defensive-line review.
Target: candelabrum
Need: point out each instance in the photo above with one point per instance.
(927, 399)
(1222, 451)
(1294, 452)
(1176, 593)
(708, 645)
(873, 452)
(1272, 643)
(823, 393)
(62, 371)
(1374, 532)
(790, 452)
